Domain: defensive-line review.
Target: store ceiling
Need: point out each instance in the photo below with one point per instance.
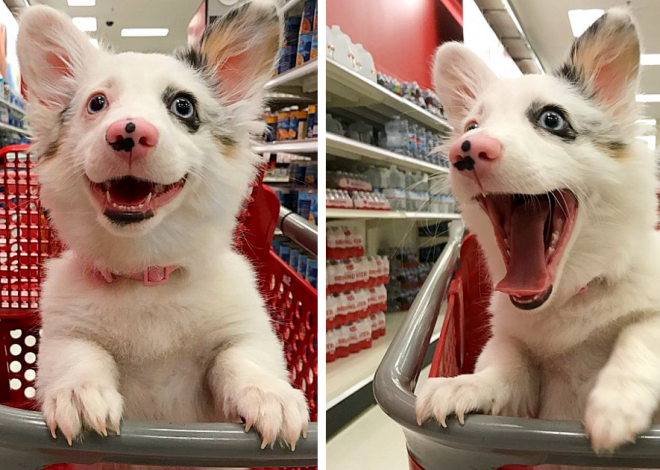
(548, 30)
(172, 14)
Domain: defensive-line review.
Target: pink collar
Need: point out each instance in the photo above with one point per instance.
(152, 276)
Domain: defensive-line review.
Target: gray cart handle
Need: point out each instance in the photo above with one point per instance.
(505, 440)
(25, 443)
(299, 230)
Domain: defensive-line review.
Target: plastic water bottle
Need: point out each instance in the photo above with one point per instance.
(396, 193)
(396, 131)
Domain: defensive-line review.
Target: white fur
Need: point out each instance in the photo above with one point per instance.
(593, 357)
(200, 347)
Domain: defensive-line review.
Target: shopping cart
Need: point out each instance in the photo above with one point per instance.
(484, 442)
(25, 443)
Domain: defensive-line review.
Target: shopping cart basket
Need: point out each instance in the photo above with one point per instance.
(484, 442)
(25, 443)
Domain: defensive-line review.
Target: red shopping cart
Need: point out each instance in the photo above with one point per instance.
(26, 240)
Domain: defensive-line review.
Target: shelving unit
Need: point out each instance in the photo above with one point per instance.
(301, 79)
(352, 97)
(308, 146)
(374, 215)
(351, 91)
(18, 130)
(354, 150)
(13, 107)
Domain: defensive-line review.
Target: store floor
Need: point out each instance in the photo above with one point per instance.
(372, 442)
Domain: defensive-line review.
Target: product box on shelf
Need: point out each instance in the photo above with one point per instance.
(344, 242)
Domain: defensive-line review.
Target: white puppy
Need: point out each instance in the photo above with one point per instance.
(145, 160)
(562, 198)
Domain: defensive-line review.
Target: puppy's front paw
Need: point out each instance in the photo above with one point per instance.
(616, 415)
(443, 397)
(275, 409)
(83, 406)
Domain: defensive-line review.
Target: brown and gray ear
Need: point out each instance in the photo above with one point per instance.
(241, 49)
(459, 75)
(604, 62)
(52, 53)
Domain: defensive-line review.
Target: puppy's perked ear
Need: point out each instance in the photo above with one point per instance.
(604, 62)
(52, 52)
(459, 75)
(242, 47)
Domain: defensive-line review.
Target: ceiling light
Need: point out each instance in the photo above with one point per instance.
(85, 23)
(95, 42)
(81, 3)
(650, 122)
(581, 19)
(144, 32)
(650, 59)
(648, 98)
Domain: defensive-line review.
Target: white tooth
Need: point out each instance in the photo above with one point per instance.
(107, 196)
(158, 188)
(140, 206)
(554, 239)
(148, 199)
(114, 205)
(106, 185)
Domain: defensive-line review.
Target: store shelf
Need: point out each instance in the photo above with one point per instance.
(18, 130)
(348, 89)
(354, 150)
(276, 179)
(300, 79)
(13, 107)
(366, 214)
(289, 146)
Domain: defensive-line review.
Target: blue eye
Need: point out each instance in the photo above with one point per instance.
(182, 107)
(97, 103)
(552, 121)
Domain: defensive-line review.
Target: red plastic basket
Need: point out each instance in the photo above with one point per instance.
(26, 240)
(465, 329)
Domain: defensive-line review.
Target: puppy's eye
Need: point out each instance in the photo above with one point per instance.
(552, 121)
(97, 103)
(471, 126)
(182, 107)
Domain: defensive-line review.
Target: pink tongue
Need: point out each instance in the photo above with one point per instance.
(527, 273)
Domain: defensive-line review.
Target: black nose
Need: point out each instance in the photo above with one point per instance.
(130, 127)
(465, 164)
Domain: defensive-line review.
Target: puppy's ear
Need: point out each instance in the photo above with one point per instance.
(241, 49)
(459, 75)
(604, 62)
(52, 52)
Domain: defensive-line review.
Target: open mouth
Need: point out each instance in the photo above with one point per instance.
(532, 232)
(128, 200)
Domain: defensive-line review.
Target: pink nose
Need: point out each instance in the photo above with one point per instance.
(475, 154)
(132, 138)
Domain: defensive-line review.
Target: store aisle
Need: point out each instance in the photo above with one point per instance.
(372, 442)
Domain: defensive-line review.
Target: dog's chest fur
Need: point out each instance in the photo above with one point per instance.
(162, 338)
